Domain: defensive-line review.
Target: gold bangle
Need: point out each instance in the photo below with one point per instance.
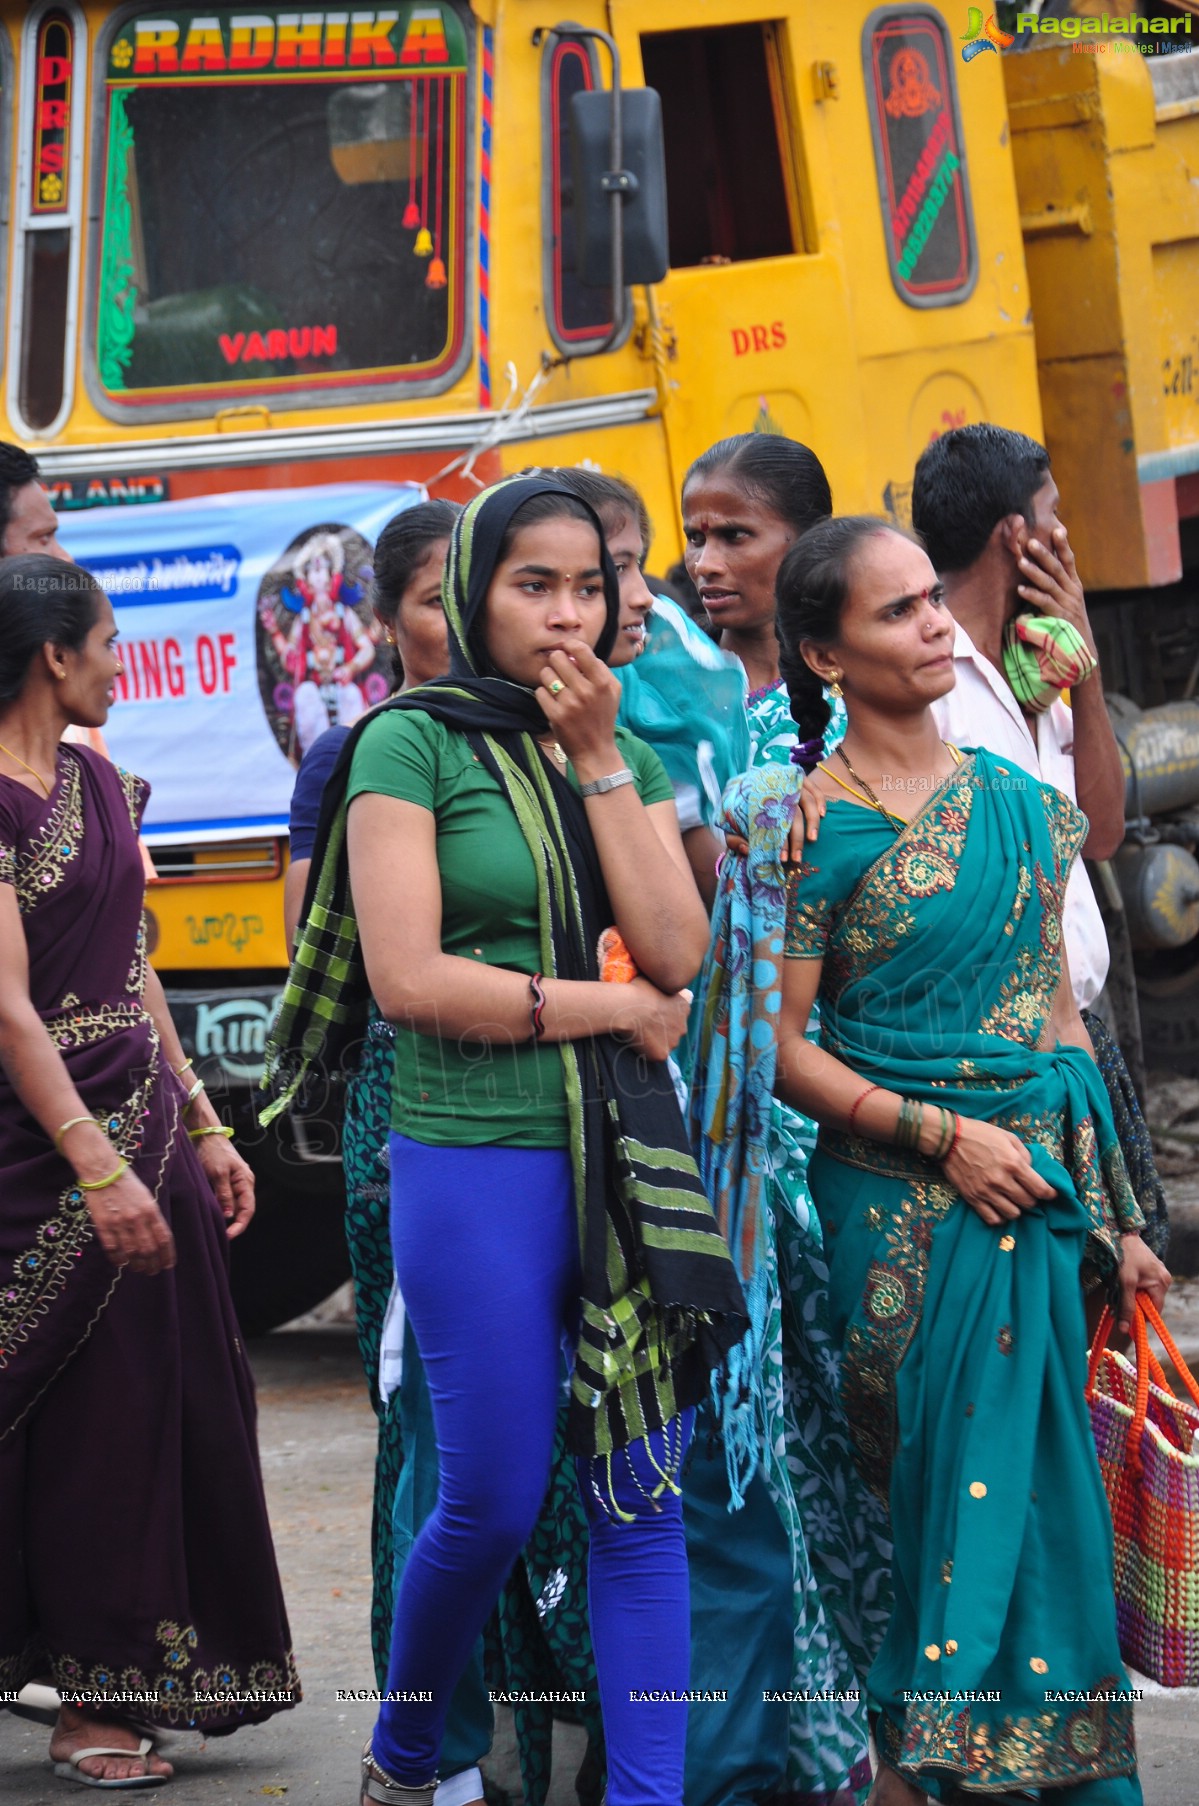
(103, 1184)
(213, 1129)
(195, 1091)
(70, 1124)
(180, 1070)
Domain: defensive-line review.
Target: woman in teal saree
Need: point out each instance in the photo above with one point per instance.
(968, 1181)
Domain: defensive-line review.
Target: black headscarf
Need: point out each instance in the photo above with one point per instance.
(473, 557)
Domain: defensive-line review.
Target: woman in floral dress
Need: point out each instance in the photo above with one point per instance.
(809, 1613)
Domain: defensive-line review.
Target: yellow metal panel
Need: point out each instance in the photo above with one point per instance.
(1115, 298)
(637, 453)
(1088, 429)
(226, 928)
(819, 343)
(1174, 284)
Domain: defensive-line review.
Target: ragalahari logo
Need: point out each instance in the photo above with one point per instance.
(978, 37)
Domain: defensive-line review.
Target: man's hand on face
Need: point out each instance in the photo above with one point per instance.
(1049, 581)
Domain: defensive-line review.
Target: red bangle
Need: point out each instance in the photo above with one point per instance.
(858, 1101)
(538, 1005)
(957, 1136)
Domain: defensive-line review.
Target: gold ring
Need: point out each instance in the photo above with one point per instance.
(557, 686)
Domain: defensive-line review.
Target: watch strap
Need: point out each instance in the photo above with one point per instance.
(613, 781)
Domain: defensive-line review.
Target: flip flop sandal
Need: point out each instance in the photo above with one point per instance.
(378, 1786)
(40, 1704)
(70, 1770)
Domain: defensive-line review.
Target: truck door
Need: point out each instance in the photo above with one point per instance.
(755, 300)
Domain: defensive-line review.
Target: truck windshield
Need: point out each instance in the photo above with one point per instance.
(283, 204)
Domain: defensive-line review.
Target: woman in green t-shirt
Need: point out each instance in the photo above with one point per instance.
(495, 823)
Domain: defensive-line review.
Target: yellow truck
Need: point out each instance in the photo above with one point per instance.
(257, 252)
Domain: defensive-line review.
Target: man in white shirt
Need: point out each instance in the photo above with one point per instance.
(985, 503)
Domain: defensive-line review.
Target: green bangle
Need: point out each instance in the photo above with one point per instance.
(213, 1129)
(910, 1126)
(103, 1184)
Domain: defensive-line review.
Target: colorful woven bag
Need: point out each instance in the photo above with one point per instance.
(1149, 1457)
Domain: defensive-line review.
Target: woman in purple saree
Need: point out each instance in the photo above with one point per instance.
(136, 1563)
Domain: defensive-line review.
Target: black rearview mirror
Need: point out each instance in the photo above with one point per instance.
(619, 187)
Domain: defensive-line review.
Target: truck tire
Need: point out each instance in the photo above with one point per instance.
(1169, 996)
(294, 1252)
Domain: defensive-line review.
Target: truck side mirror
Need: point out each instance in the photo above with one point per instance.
(618, 160)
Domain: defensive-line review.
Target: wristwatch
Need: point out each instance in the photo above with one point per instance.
(612, 782)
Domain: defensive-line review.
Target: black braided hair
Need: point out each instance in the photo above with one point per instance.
(43, 601)
(811, 590)
(781, 472)
(400, 551)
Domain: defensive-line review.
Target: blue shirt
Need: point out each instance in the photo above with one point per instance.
(316, 768)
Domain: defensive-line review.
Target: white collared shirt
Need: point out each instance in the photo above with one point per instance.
(981, 710)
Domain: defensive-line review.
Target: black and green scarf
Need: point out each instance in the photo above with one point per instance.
(661, 1303)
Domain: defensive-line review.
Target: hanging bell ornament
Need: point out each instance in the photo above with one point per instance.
(424, 243)
(436, 277)
(411, 217)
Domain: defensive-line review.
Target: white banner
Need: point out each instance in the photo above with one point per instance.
(246, 629)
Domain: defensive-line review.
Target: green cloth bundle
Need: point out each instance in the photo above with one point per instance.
(1042, 656)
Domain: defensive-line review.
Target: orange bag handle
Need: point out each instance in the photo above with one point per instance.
(1148, 1365)
(1097, 1347)
(1146, 1304)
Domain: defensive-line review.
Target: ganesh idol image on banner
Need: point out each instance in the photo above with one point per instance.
(246, 632)
(320, 660)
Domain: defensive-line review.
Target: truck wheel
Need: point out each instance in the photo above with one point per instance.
(294, 1252)
(1168, 988)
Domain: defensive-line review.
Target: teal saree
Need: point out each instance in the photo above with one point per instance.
(963, 1347)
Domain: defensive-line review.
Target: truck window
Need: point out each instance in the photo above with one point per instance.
(576, 315)
(919, 156)
(47, 214)
(283, 203)
(722, 114)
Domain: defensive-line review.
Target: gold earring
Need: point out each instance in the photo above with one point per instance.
(834, 686)
(389, 638)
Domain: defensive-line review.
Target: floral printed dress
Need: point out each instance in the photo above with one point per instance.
(810, 1532)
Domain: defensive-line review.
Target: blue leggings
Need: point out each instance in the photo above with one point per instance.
(486, 1254)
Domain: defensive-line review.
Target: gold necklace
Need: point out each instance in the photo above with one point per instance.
(870, 796)
(896, 821)
(29, 768)
(555, 752)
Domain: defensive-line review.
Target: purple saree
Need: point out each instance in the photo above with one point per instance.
(135, 1552)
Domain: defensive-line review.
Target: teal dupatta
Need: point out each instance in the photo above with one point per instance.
(963, 1346)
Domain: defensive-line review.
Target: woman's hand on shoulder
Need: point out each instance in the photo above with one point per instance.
(130, 1227)
(582, 712)
(1140, 1271)
(805, 825)
(231, 1179)
(651, 1021)
(993, 1171)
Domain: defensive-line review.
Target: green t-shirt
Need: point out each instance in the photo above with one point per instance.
(464, 1094)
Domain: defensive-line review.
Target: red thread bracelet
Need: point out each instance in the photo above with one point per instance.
(538, 1006)
(858, 1101)
(957, 1136)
